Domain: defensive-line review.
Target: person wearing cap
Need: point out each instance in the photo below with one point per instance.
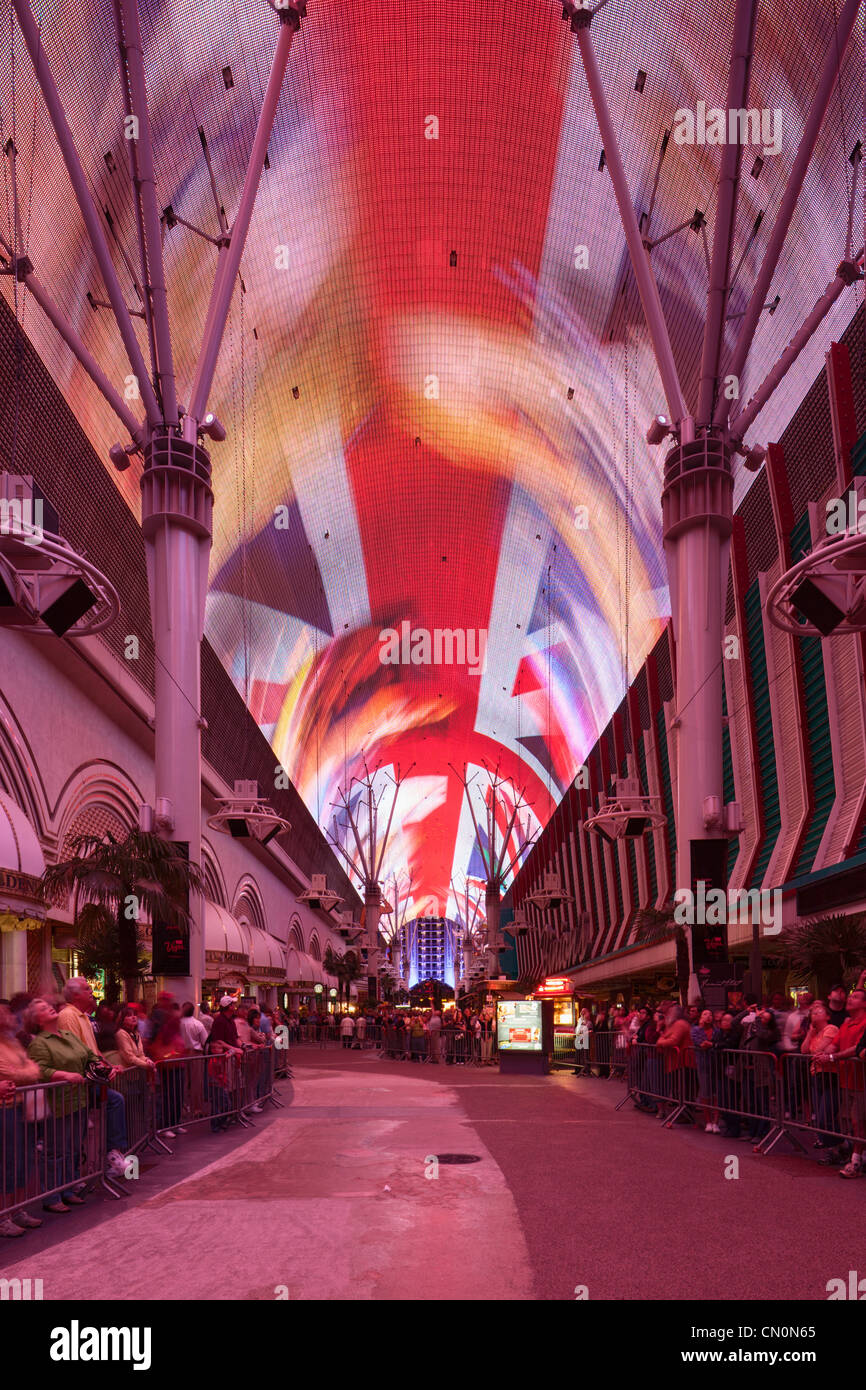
(223, 1040)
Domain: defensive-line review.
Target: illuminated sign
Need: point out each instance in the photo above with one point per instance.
(553, 986)
(170, 950)
(518, 1025)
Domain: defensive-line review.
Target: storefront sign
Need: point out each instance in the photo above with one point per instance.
(23, 885)
(226, 958)
(537, 953)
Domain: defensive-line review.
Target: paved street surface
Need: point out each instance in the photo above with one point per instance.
(331, 1196)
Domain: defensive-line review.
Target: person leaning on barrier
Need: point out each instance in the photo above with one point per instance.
(705, 1040)
(18, 1120)
(602, 1030)
(647, 1061)
(852, 1091)
(818, 1045)
(167, 1049)
(195, 1034)
(74, 1014)
(797, 1023)
(74, 1017)
(764, 1042)
(127, 1049)
(679, 1057)
(257, 1042)
(728, 1046)
(224, 1044)
(748, 1017)
(61, 1056)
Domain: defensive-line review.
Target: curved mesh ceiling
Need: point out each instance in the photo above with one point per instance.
(436, 411)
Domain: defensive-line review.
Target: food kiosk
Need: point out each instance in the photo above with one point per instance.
(559, 991)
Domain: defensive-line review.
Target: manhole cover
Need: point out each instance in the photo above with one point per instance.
(458, 1158)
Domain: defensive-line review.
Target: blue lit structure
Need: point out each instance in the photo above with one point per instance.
(431, 945)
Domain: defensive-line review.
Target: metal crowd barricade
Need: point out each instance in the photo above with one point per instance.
(824, 1097)
(255, 1073)
(456, 1047)
(564, 1052)
(608, 1054)
(369, 1037)
(52, 1140)
(53, 1135)
(281, 1045)
(736, 1087)
(137, 1085)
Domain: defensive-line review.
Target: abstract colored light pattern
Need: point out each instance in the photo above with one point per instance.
(435, 417)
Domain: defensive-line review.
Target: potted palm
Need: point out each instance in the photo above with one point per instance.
(130, 878)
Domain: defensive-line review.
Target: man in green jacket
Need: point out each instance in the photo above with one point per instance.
(61, 1056)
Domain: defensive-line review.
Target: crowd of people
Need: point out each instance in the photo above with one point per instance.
(452, 1035)
(720, 1068)
(723, 1067)
(48, 1039)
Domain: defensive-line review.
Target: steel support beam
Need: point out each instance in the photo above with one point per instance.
(739, 75)
(746, 417)
(56, 316)
(132, 160)
(643, 272)
(230, 255)
(89, 212)
(796, 178)
(129, 38)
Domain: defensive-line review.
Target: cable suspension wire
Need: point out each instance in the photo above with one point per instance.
(628, 444)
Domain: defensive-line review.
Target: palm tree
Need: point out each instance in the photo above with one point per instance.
(831, 948)
(336, 965)
(100, 948)
(652, 925)
(139, 875)
(354, 970)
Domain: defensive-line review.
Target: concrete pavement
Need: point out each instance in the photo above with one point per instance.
(331, 1198)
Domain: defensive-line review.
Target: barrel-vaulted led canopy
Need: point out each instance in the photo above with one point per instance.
(436, 400)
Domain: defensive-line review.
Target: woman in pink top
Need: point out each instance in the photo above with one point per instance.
(824, 1082)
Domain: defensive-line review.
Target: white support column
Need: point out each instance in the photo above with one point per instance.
(13, 962)
(177, 506)
(697, 509)
(372, 913)
(492, 909)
